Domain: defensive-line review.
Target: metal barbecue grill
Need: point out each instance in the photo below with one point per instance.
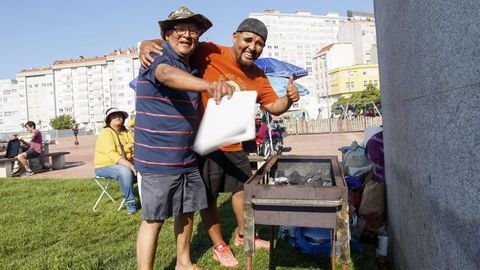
(305, 191)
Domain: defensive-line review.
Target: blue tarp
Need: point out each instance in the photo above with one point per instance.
(133, 84)
(279, 84)
(278, 73)
(277, 68)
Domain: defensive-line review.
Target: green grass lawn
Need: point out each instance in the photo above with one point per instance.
(49, 224)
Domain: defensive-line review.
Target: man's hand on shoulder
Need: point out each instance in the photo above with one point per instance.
(147, 47)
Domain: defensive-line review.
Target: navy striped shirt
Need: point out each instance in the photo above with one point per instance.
(165, 122)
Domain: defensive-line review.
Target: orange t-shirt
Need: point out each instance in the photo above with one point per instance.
(217, 62)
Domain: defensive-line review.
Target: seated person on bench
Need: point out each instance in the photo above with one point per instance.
(32, 149)
(114, 155)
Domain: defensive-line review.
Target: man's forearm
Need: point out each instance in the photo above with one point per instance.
(179, 79)
(159, 42)
(281, 105)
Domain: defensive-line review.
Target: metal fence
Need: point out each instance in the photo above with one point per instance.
(357, 124)
(47, 134)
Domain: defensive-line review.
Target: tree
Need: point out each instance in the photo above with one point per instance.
(359, 101)
(62, 122)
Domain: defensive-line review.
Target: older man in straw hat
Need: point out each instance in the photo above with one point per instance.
(166, 105)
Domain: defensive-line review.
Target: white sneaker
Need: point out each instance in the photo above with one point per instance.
(27, 173)
(15, 169)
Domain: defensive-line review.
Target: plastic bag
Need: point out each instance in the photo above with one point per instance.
(356, 157)
(373, 198)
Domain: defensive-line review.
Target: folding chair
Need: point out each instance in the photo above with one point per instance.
(105, 192)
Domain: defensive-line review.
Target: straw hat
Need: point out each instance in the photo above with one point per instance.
(183, 14)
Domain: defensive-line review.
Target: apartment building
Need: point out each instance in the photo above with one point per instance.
(330, 57)
(12, 106)
(363, 37)
(86, 87)
(356, 46)
(83, 88)
(296, 38)
(37, 84)
(347, 80)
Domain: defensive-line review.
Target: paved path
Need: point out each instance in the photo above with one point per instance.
(79, 163)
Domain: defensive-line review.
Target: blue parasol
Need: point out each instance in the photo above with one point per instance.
(133, 84)
(277, 68)
(278, 73)
(279, 84)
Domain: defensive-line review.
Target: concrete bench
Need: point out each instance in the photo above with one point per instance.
(58, 162)
(58, 159)
(6, 165)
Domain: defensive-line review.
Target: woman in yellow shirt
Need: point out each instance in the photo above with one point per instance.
(114, 155)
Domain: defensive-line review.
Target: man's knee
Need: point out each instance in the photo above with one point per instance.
(238, 195)
(152, 225)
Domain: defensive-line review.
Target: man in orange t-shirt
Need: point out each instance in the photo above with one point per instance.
(227, 169)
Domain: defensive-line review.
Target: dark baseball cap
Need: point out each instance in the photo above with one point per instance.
(255, 26)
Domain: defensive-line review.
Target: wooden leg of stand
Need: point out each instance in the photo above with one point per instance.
(249, 234)
(249, 262)
(271, 258)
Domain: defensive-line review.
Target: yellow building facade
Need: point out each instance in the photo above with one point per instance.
(347, 80)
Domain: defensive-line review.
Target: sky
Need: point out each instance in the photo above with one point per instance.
(36, 33)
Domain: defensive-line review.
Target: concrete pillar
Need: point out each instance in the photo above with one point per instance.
(429, 58)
